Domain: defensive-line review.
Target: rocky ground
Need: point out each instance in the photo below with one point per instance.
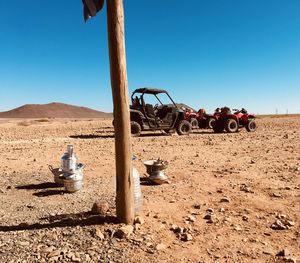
(231, 197)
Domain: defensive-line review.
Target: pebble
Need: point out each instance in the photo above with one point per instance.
(277, 195)
(54, 253)
(283, 253)
(197, 206)
(186, 237)
(100, 208)
(99, 234)
(225, 200)
(124, 231)
(191, 218)
(139, 220)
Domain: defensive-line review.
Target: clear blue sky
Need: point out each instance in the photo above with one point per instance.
(239, 53)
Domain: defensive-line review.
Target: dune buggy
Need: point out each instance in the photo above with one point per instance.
(162, 116)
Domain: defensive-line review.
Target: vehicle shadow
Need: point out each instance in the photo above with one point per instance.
(37, 186)
(91, 136)
(97, 136)
(63, 220)
(203, 132)
(47, 189)
(50, 193)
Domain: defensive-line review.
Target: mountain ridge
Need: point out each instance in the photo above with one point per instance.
(53, 110)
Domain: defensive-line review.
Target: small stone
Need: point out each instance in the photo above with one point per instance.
(179, 230)
(283, 253)
(237, 228)
(99, 234)
(222, 209)
(210, 210)
(100, 208)
(191, 218)
(24, 243)
(277, 195)
(172, 201)
(124, 231)
(278, 225)
(245, 218)
(197, 206)
(225, 200)
(208, 216)
(54, 253)
(139, 220)
(186, 237)
(75, 259)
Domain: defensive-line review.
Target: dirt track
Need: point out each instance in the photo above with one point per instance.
(248, 180)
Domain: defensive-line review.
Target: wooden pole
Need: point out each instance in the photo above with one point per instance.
(119, 84)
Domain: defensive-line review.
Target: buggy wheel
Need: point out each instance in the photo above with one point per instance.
(184, 128)
(231, 125)
(194, 123)
(251, 126)
(218, 126)
(211, 123)
(135, 129)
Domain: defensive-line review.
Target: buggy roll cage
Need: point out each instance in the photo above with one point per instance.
(152, 91)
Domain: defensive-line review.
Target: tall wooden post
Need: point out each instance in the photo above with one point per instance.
(119, 84)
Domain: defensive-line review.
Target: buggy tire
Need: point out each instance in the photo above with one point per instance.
(210, 123)
(184, 128)
(194, 123)
(251, 126)
(218, 126)
(231, 125)
(135, 129)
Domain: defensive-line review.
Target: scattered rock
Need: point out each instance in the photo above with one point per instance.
(282, 223)
(191, 218)
(186, 237)
(99, 234)
(197, 206)
(283, 253)
(139, 220)
(124, 231)
(237, 228)
(100, 208)
(225, 200)
(208, 216)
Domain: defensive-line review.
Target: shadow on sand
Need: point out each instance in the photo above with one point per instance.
(64, 220)
(37, 186)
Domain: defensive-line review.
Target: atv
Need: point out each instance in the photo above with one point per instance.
(162, 116)
(205, 121)
(231, 122)
(189, 114)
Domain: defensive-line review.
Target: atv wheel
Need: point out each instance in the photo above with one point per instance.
(211, 123)
(135, 129)
(251, 126)
(231, 125)
(218, 126)
(194, 123)
(184, 128)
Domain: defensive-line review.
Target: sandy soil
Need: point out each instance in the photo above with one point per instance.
(227, 197)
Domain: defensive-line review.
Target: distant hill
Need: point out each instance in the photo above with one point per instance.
(53, 110)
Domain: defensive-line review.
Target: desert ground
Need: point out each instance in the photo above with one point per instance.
(230, 197)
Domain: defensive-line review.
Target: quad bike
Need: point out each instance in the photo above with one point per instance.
(146, 117)
(231, 122)
(205, 121)
(189, 114)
